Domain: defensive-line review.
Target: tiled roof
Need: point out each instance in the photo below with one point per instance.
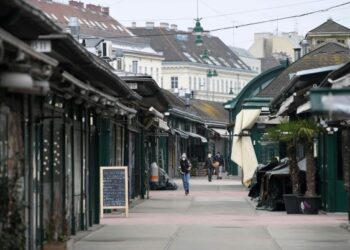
(211, 111)
(329, 27)
(179, 46)
(93, 23)
(327, 55)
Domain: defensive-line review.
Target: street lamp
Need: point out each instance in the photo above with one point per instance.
(210, 74)
(198, 30)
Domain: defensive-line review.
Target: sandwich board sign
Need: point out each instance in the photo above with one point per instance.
(114, 189)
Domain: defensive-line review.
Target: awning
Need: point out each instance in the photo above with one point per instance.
(203, 139)
(163, 125)
(243, 153)
(285, 105)
(304, 107)
(182, 134)
(222, 132)
(272, 121)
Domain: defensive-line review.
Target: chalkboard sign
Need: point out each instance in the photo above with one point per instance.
(114, 188)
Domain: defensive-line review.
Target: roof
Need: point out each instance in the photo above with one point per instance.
(211, 112)
(180, 46)
(329, 27)
(151, 93)
(326, 55)
(253, 87)
(241, 52)
(92, 20)
(33, 24)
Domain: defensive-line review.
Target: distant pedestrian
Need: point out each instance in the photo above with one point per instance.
(185, 167)
(218, 158)
(209, 166)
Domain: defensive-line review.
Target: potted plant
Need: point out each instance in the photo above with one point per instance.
(294, 132)
(307, 130)
(285, 132)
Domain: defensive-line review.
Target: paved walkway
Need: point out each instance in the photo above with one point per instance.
(215, 216)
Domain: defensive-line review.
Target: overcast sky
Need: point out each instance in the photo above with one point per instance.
(226, 13)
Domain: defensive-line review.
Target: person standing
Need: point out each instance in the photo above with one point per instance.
(220, 160)
(209, 166)
(185, 167)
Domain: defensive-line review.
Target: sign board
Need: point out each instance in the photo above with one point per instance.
(114, 189)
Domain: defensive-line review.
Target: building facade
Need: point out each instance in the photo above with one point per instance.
(190, 68)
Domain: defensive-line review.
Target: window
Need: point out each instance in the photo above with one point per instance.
(130, 67)
(319, 41)
(157, 74)
(226, 86)
(145, 70)
(151, 71)
(222, 85)
(341, 41)
(199, 82)
(134, 67)
(190, 82)
(140, 69)
(194, 83)
(174, 82)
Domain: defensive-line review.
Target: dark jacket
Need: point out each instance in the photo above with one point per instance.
(208, 163)
(185, 165)
(219, 159)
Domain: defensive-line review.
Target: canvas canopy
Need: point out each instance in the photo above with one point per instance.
(243, 153)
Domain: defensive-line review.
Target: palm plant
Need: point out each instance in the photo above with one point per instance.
(294, 132)
(306, 132)
(285, 132)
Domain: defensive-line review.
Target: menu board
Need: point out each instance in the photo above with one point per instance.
(114, 188)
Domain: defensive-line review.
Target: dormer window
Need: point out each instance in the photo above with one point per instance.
(319, 42)
(341, 41)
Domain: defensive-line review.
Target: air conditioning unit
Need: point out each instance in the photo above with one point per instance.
(106, 49)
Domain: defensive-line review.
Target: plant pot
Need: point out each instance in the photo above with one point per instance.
(291, 203)
(309, 205)
(54, 246)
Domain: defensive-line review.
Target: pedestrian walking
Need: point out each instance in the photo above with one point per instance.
(218, 158)
(185, 167)
(209, 166)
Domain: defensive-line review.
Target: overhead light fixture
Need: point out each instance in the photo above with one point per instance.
(199, 41)
(209, 73)
(205, 55)
(198, 29)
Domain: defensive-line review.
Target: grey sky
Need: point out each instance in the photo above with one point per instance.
(224, 13)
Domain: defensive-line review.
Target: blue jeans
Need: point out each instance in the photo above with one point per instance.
(186, 181)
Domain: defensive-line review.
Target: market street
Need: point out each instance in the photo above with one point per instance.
(216, 215)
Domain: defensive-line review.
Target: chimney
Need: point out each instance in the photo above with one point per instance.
(77, 4)
(92, 7)
(74, 27)
(297, 54)
(304, 47)
(173, 27)
(164, 25)
(149, 25)
(133, 24)
(105, 11)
